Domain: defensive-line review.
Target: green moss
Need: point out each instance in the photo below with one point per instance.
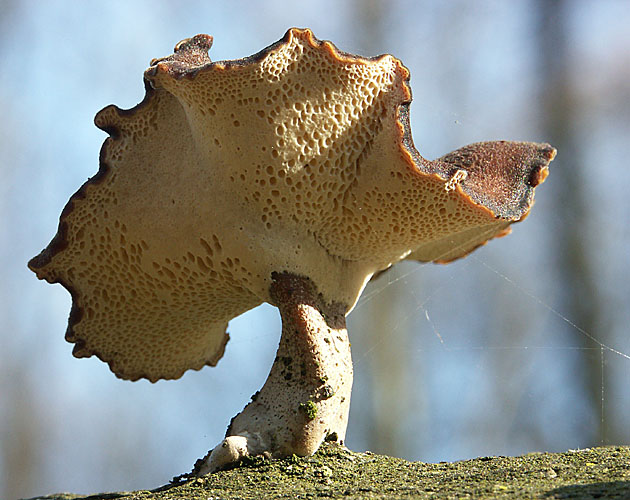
(334, 472)
(310, 409)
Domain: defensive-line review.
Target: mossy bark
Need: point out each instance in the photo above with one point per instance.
(334, 472)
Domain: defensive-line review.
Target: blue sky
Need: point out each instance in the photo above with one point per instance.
(466, 389)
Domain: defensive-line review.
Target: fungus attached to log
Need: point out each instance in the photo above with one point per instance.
(287, 177)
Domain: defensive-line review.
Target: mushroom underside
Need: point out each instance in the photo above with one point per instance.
(287, 177)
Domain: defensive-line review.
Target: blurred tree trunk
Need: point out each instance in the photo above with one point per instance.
(20, 434)
(20, 425)
(387, 358)
(580, 301)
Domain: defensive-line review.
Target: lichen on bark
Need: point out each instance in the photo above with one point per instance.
(335, 472)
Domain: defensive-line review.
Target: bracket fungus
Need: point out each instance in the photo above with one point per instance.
(287, 177)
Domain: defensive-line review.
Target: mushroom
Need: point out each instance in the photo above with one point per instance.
(288, 177)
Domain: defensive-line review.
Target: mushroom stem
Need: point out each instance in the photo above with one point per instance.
(306, 398)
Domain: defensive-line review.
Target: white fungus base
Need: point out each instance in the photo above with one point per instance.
(306, 398)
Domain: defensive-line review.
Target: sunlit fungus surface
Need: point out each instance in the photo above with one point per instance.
(293, 168)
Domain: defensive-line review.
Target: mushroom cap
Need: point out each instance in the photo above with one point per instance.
(297, 159)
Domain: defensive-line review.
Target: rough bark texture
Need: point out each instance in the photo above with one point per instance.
(334, 472)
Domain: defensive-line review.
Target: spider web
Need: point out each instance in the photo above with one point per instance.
(422, 307)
